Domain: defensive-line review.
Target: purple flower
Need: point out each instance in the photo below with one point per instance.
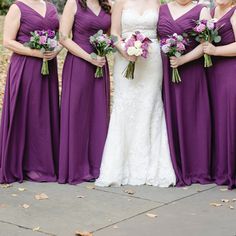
(52, 43)
(166, 48)
(51, 34)
(210, 25)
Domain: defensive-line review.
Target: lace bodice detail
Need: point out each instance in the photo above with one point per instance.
(146, 23)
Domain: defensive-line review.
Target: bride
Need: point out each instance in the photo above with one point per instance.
(136, 150)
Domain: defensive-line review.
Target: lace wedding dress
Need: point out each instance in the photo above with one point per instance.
(136, 151)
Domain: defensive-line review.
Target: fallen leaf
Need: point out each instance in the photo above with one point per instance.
(234, 200)
(225, 200)
(80, 196)
(85, 233)
(41, 196)
(6, 185)
(129, 191)
(185, 188)
(223, 189)
(215, 204)
(151, 215)
(36, 229)
(14, 195)
(231, 207)
(90, 187)
(115, 227)
(26, 206)
(21, 189)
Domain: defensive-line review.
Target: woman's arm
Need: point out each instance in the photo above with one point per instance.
(11, 27)
(116, 28)
(197, 52)
(224, 51)
(66, 25)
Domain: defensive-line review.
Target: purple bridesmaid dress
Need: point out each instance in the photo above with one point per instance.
(222, 88)
(29, 135)
(186, 106)
(85, 104)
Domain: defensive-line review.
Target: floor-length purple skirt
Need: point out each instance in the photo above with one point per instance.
(85, 105)
(186, 106)
(222, 87)
(29, 133)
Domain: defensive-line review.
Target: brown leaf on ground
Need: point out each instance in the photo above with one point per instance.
(129, 191)
(223, 189)
(25, 206)
(225, 200)
(90, 186)
(36, 229)
(115, 227)
(81, 233)
(41, 196)
(151, 215)
(14, 195)
(21, 189)
(231, 207)
(215, 204)
(234, 200)
(80, 196)
(6, 185)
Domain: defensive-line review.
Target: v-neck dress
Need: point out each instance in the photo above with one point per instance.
(222, 87)
(29, 133)
(85, 104)
(186, 106)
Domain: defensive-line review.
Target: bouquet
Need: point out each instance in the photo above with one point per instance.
(104, 45)
(136, 45)
(174, 45)
(205, 30)
(44, 41)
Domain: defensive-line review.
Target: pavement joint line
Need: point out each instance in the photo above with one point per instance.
(160, 202)
(152, 209)
(26, 228)
(129, 195)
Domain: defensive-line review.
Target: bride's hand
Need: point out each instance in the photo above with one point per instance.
(129, 58)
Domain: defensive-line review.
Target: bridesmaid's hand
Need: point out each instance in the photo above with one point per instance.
(209, 48)
(176, 61)
(49, 55)
(98, 61)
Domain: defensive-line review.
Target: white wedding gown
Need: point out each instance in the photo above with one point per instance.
(136, 150)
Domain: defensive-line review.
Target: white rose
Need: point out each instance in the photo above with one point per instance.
(131, 51)
(138, 52)
(138, 44)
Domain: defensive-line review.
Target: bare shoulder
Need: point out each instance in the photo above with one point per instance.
(71, 5)
(14, 11)
(233, 19)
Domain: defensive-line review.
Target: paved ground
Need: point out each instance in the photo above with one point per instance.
(146, 211)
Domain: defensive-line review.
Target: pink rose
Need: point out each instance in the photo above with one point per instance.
(42, 40)
(180, 46)
(200, 28)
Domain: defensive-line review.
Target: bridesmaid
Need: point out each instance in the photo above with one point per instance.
(186, 104)
(222, 87)
(85, 99)
(29, 134)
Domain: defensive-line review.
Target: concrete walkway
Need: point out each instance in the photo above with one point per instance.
(128, 211)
